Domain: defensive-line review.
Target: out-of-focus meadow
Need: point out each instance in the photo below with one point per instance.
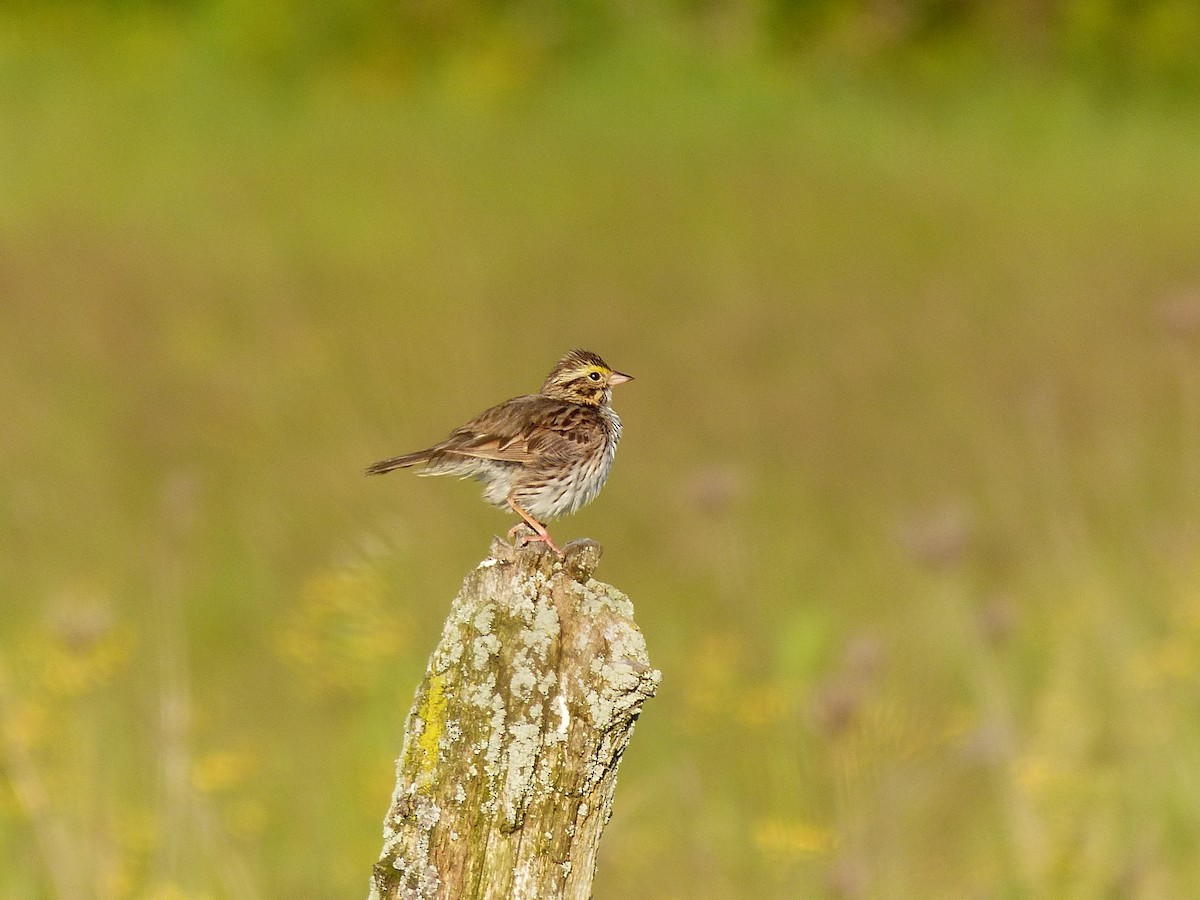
(909, 495)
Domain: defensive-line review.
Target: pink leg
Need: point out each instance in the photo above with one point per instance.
(542, 535)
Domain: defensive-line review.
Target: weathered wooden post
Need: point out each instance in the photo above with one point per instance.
(510, 756)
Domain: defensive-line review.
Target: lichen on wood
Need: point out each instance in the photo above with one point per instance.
(510, 757)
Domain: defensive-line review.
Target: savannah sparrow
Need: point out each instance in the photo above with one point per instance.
(541, 455)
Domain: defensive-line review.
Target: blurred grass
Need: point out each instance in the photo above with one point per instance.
(906, 500)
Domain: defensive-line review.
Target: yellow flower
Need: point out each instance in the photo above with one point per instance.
(170, 891)
(1171, 660)
(1037, 776)
(246, 819)
(779, 837)
(220, 770)
(765, 705)
(711, 687)
(342, 629)
(69, 668)
(25, 722)
(136, 831)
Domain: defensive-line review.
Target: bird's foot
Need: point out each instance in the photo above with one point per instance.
(522, 534)
(541, 539)
(540, 533)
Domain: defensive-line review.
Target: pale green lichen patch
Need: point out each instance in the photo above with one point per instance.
(600, 709)
(543, 631)
(525, 597)
(481, 695)
(598, 596)
(625, 642)
(618, 680)
(524, 744)
(483, 619)
(522, 684)
(483, 648)
(451, 737)
(495, 740)
(449, 651)
(623, 687)
(417, 873)
(406, 849)
(622, 675)
(428, 815)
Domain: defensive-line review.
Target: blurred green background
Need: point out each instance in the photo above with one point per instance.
(908, 495)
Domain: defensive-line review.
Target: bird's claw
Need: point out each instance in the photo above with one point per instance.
(522, 534)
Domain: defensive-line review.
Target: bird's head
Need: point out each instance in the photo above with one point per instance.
(583, 377)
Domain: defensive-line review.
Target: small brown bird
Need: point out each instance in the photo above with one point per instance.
(541, 455)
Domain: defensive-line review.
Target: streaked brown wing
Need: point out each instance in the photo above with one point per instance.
(523, 430)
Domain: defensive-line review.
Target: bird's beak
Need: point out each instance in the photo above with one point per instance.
(619, 378)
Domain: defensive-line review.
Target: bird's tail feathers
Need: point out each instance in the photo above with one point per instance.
(398, 462)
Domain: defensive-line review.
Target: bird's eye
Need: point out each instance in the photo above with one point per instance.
(595, 376)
